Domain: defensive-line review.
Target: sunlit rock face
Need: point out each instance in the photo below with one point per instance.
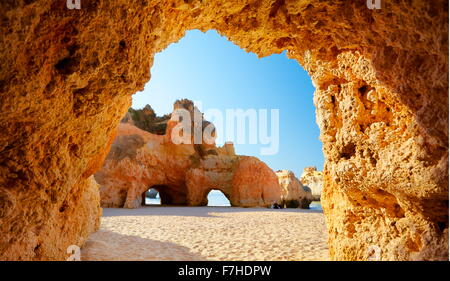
(147, 120)
(293, 193)
(138, 161)
(183, 174)
(314, 180)
(254, 183)
(381, 78)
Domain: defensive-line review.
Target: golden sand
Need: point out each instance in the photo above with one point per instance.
(208, 233)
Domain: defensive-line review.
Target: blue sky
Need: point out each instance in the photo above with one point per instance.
(208, 68)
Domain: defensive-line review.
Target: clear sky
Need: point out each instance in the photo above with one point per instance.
(208, 68)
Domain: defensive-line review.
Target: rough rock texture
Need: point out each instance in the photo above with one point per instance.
(147, 120)
(314, 180)
(254, 183)
(293, 193)
(138, 161)
(183, 174)
(381, 78)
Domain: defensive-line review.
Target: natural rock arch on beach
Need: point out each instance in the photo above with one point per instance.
(182, 173)
(381, 78)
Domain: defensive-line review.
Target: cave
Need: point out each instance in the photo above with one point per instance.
(152, 195)
(381, 78)
(216, 197)
(168, 195)
(171, 195)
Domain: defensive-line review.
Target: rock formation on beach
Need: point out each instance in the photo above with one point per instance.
(147, 120)
(293, 193)
(381, 79)
(183, 174)
(314, 180)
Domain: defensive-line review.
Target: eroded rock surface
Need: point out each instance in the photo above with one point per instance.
(293, 193)
(183, 174)
(314, 180)
(381, 79)
(147, 120)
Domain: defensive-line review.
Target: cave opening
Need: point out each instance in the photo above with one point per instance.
(160, 194)
(221, 77)
(151, 197)
(252, 103)
(337, 48)
(216, 198)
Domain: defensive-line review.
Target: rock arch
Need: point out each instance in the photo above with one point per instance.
(183, 173)
(164, 197)
(219, 193)
(381, 80)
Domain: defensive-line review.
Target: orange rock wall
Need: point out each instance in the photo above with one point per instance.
(381, 78)
(293, 193)
(139, 160)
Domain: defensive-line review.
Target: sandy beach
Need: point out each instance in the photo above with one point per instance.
(208, 233)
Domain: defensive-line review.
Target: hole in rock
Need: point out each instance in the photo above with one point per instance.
(151, 197)
(165, 195)
(218, 199)
(37, 247)
(67, 66)
(262, 106)
(221, 78)
(348, 151)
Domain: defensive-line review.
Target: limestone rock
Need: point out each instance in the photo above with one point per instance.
(138, 161)
(381, 78)
(254, 183)
(293, 193)
(314, 180)
(146, 119)
(79, 214)
(183, 174)
(308, 199)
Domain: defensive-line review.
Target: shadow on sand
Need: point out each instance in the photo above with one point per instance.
(192, 211)
(106, 245)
